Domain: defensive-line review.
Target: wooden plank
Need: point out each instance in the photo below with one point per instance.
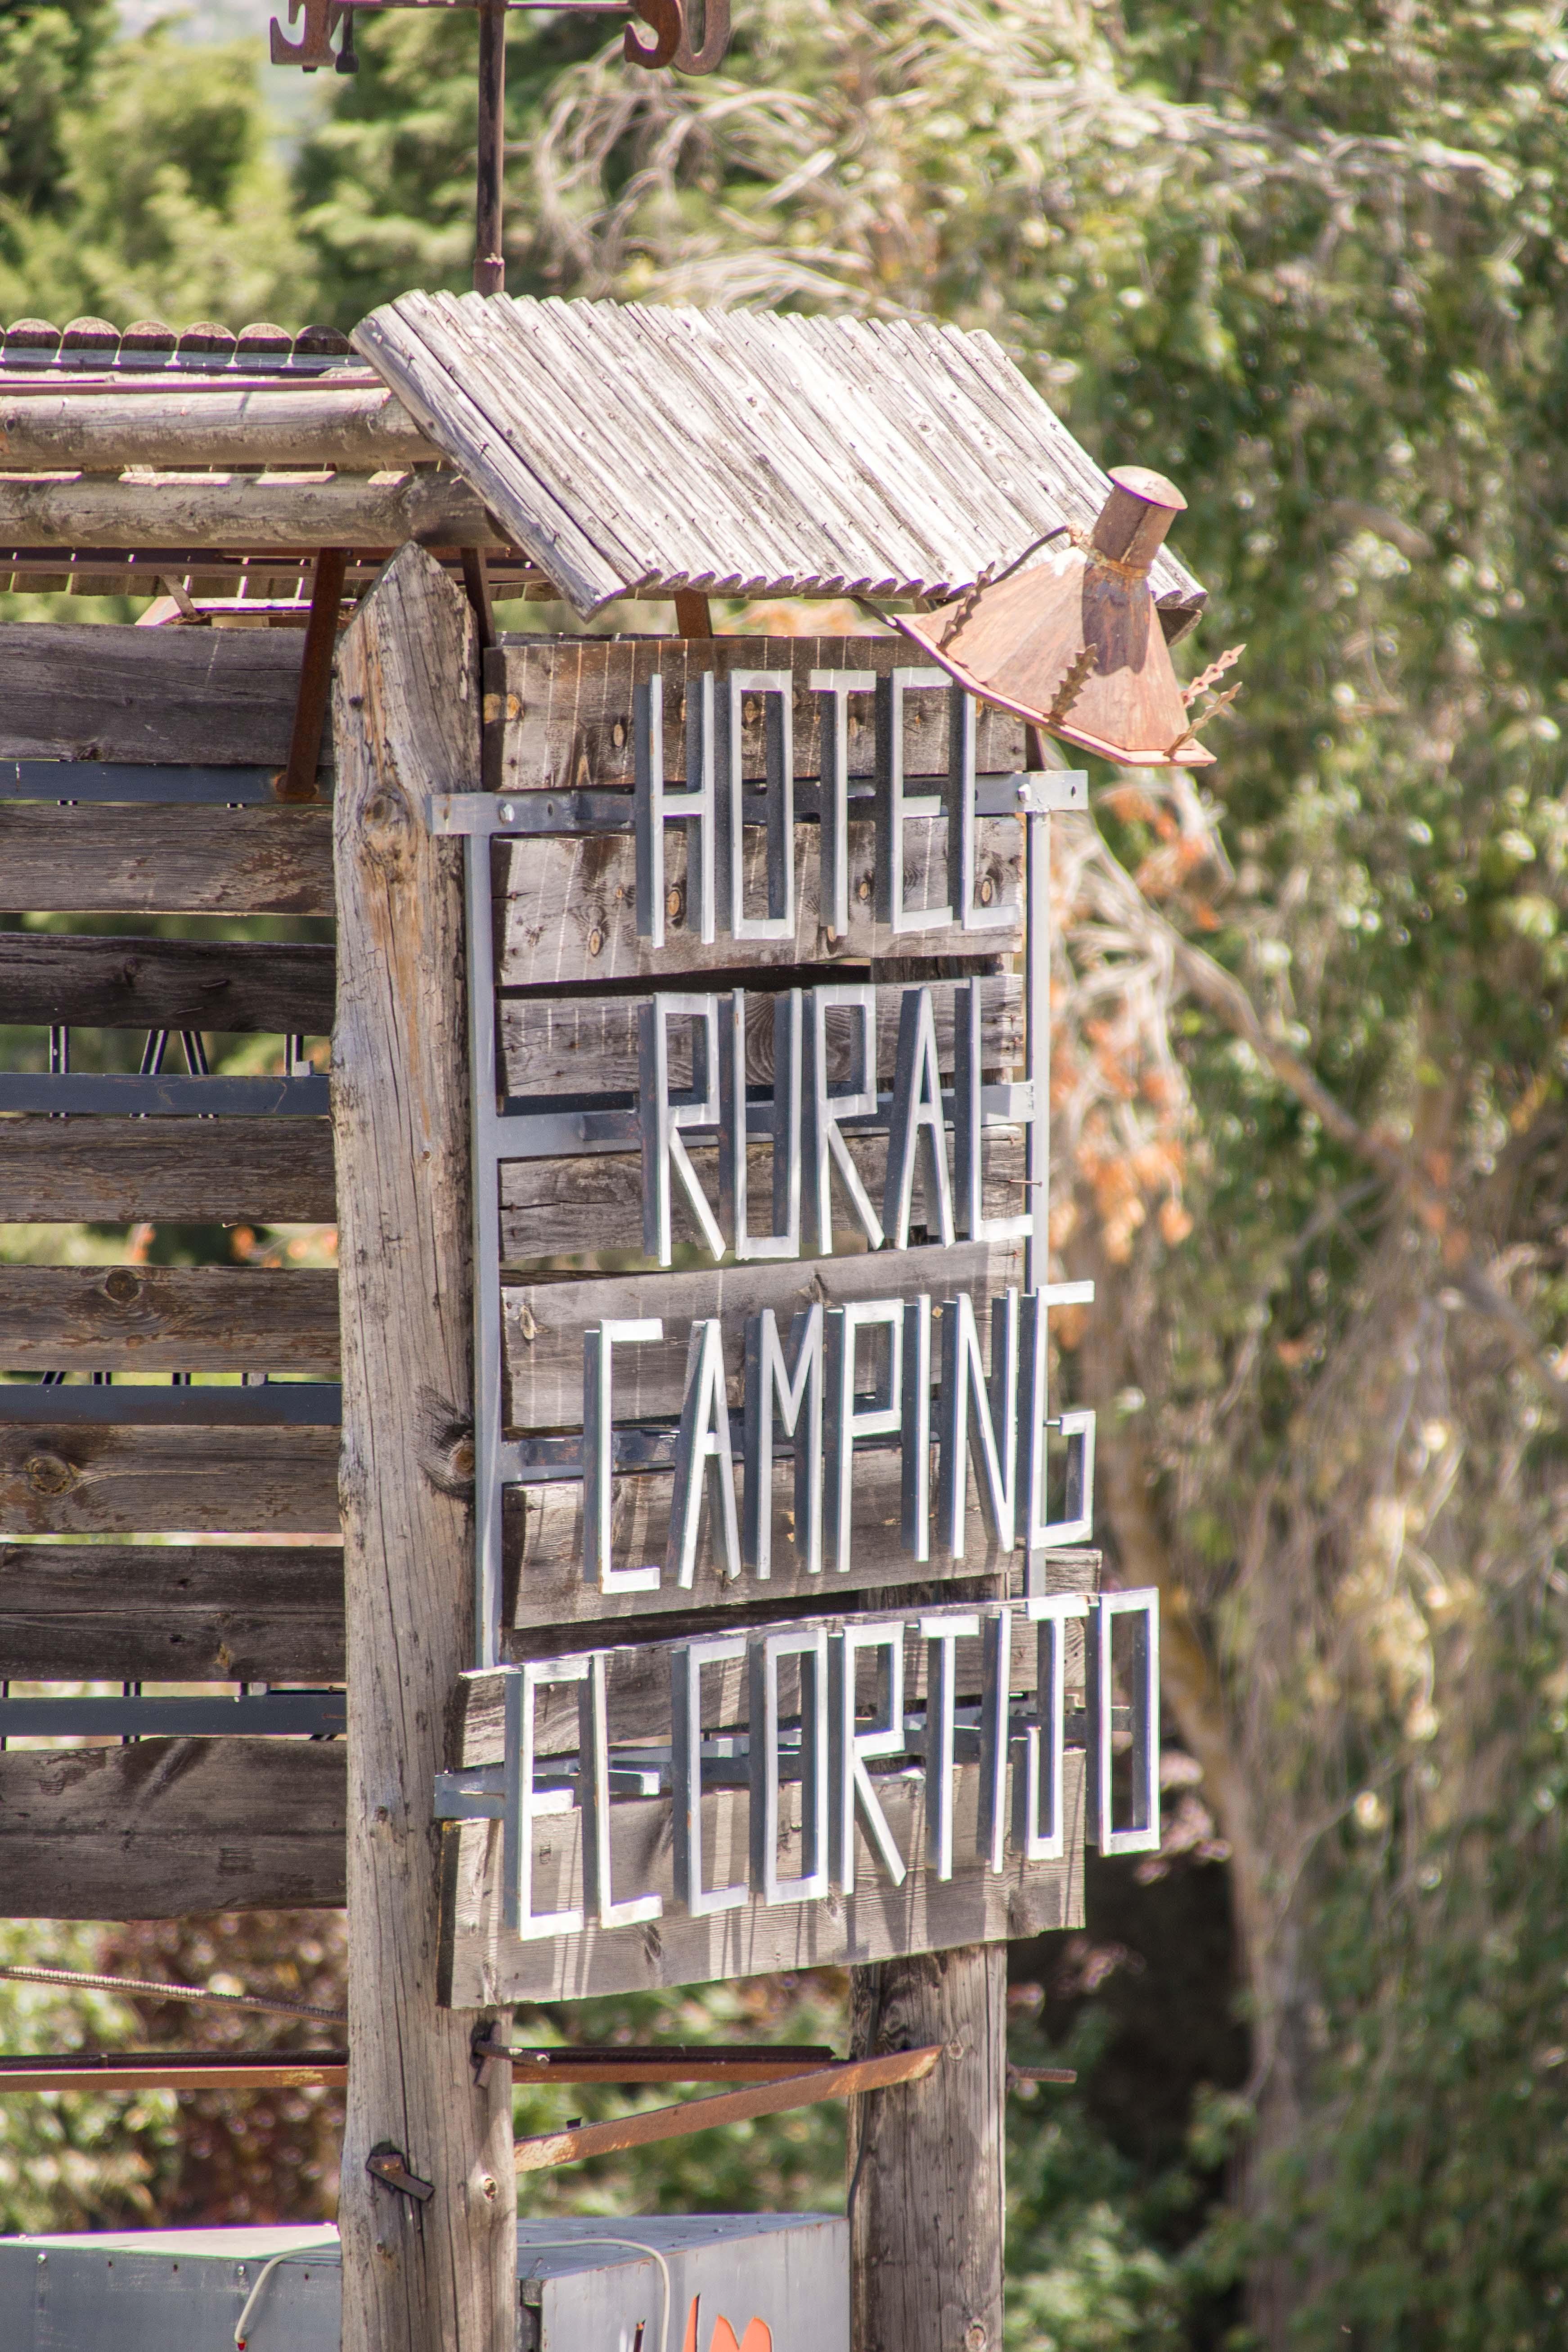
(73, 691)
(285, 988)
(637, 1671)
(165, 861)
(358, 428)
(583, 1045)
(111, 1171)
(558, 711)
(567, 910)
(545, 1586)
(407, 714)
(171, 1613)
(481, 1964)
(920, 2280)
(543, 1322)
(255, 511)
(59, 1480)
(188, 1319)
(565, 1212)
(167, 1828)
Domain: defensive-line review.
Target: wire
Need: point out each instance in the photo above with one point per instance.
(173, 1991)
(555, 2245)
(535, 2245)
(254, 2297)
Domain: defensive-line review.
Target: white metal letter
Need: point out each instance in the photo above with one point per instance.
(599, 1343)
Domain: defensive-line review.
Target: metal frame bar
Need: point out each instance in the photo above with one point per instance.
(174, 1095)
(313, 1715)
(69, 781)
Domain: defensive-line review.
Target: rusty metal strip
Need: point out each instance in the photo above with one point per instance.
(297, 781)
(97, 2071)
(543, 2150)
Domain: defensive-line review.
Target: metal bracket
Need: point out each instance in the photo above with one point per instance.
(489, 2048)
(526, 816)
(387, 2164)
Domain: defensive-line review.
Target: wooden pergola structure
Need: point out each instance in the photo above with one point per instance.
(383, 498)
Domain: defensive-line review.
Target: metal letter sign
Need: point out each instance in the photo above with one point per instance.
(819, 1361)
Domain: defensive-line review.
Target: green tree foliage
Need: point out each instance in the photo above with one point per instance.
(138, 181)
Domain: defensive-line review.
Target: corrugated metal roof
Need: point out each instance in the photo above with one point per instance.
(742, 453)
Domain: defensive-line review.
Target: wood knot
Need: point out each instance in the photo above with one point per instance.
(975, 2339)
(447, 1447)
(48, 1474)
(122, 1285)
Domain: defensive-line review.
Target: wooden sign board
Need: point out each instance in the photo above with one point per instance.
(792, 1650)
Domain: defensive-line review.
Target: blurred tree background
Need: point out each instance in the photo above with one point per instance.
(1309, 257)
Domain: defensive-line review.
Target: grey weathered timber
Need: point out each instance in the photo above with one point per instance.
(167, 1827)
(437, 2277)
(584, 1045)
(925, 2160)
(481, 1963)
(94, 982)
(637, 1675)
(62, 1480)
(568, 911)
(590, 1209)
(188, 1318)
(75, 691)
(165, 861)
(189, 1170)
(545, 1585)
(558, 711)
(255, 511)
(171, 1613)
(739, 452)
(105, 430)
(544, 1322)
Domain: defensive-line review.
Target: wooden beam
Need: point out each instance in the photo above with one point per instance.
(165, 1828)
(69, 690)
(68, 1480)
(172, 1612)
(253, 511)
(103, 432)
(482, 1963)
(569, 907)
(925, 2161)
(188, 1319)
(185, 1170)
(95, 983)
(407, 718)
(162, 860)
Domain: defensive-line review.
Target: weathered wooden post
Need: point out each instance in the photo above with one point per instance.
(926, 2158)
(430, 2266)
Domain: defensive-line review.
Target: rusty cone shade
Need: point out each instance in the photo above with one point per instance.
(1074, 643)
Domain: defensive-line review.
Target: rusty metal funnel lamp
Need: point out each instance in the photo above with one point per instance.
(1073, 642)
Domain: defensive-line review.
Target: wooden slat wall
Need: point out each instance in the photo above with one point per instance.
(164, 1827)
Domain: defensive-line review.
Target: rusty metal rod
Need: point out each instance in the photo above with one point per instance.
(543, 2150)
(489, 261)
(297, 781)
